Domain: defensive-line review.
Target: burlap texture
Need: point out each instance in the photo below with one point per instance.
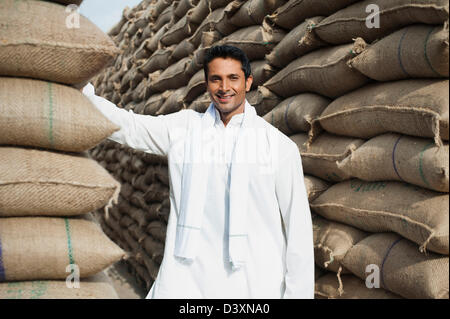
(415, 213)
(183, 49)
(328, 287)
(263, 100)
(201, 103)
(195, 87)
(256, 41)
(184, 6)
(154, 43)
(401, 158)
(49, 50)
(77, 2)
(315, 71)
(179, 31)
(49, 115)
(314, 187)
(154, 103)
(174, 77)
(252, 12)
(95, 287)
(402, 268)
(348, 23)
(295, 114)
(332, 241)
(261, 72)
(174, 102)
(319, 159)
(35, 182)
(42, 247)
(296, 43)
(159, 60)
(295, 12)
(411, 107)
(418, 51)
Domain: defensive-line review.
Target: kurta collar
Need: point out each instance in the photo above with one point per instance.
(236, 120)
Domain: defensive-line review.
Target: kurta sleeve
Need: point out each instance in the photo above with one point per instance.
(142, 132)
(294, 206)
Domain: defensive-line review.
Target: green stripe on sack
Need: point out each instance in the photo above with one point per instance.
(50, 113)
(69, 242)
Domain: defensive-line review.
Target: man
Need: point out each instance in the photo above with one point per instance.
(240, 224)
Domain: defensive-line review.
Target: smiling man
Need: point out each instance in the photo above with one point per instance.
(239, 224)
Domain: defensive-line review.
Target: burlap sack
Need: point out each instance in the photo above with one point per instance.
(252, 12)
(319, 159)
(296, 43)
(261, 72)
(415, 213)
(131, 79)
(153, 248)
(295, 12)
(332, 241)
(96, 287)
(263, 100)
(295, 114)
(218, 21)
(314, 187)
(30, 49)
(256, 41)
(401, 158)
(43, 248)
(159, 8)
(354, 21)
(159, 60)
(67, 2)
(350, 287)
(179, 31)
(412, 107)
(154, 43)
(184, 6)
(142, 52)
(174, 77)
(173, 103)
(205, 7)
(402, 269)
(201, 103)
(157, 229)
(49, 115)
(35, 182)
(316, 71)
(195, 87)
(154, 103)
(418, 51)
(182, 50)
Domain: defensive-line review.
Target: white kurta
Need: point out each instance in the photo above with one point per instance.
(280, 240)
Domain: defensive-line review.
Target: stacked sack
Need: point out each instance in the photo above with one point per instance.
(48, 183)
(367, 107)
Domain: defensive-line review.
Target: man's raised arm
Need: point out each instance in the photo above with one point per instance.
(141, 132)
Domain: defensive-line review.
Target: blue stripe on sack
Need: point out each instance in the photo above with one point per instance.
(393, 158)
(2, 268)
(399, 54)
(384, 260)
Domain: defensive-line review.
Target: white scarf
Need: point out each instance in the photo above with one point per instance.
(193, 190)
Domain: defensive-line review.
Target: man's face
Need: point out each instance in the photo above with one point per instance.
(227, 85)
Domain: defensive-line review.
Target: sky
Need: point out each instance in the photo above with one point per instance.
(105, 13)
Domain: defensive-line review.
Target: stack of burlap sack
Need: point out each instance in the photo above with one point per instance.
(50, 244)
(363, 93)
(138, 222)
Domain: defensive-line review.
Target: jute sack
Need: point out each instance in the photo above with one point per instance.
(418, 51)
(157, 229)
(179, 31)
(49, 50)
(256, 41)
(295, 114)
(417, 214)
(49, 115)
(411, 107)
(295, 12)
(35, 182)
(204, 7)
(350, 287)
(314, 187)
(332, 241)
(77, 2)
(319, 159)
(184, 6)
(218, 21)
(195, 87)
(159, 60)
(263, 100)
(261, 72)
(252, 12)
(154, 43)
(182, 50)
(47, 248)
(296, 43)
(94, 287)
(324, 71)
(154, 103)
(353, 21)
(401, 158)
(173, 103)
(201, 103)
(159, 8)
(402, 269)
(174, 77)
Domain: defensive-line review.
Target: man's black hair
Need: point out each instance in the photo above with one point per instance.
(227, 51)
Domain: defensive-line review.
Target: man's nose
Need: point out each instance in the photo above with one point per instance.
(224, 85)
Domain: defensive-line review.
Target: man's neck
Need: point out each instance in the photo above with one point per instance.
(226, 117)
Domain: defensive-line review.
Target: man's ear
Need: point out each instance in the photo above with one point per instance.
(248, 83)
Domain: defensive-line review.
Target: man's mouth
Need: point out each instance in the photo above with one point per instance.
(224, 97)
